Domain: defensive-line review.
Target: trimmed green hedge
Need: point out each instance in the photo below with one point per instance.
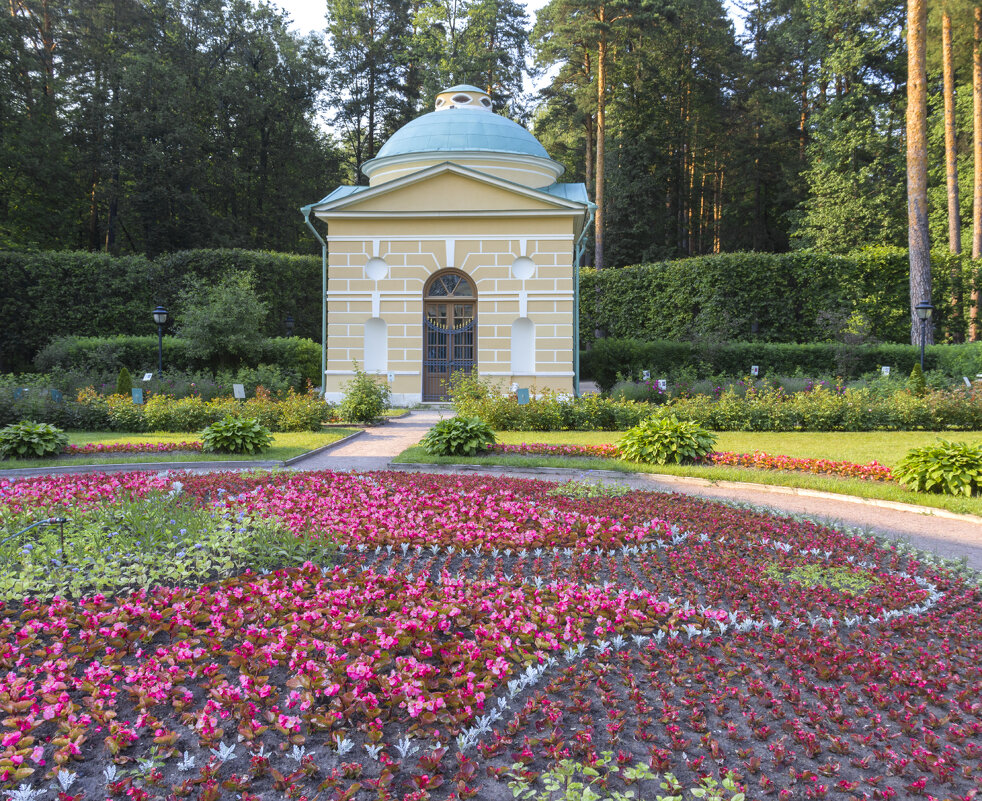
(93, 412)
(139, 354)
(55, 293)
(630, 357)
(802, 296)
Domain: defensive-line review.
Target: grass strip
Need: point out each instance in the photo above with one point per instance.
(861, 447)
(285, 446)
(843, 486)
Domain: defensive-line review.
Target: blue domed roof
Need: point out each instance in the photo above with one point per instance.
(462, 129)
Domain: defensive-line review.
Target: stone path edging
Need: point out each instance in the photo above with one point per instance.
(698, 482)
(139, 467)
(322, 449)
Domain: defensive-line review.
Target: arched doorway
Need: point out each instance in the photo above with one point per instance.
(449, 330)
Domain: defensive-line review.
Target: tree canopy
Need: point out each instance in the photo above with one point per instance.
(148, 126)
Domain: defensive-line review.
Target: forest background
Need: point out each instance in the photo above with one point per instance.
(151, 126)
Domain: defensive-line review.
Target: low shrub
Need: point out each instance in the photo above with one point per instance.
(950, 468)
(236, 435)
(750, 408)
(666, 440)
(296, 359)
(28, 440)
(610, 360)
(124, 382)
(365, 398)
(546, 411)
(458, 436)
(291, 412)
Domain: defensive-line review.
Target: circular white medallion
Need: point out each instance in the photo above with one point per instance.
(376, 269)
(523, 268)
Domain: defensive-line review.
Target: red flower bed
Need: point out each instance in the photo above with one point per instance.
(874, 471)
(757, 460)
(132, 447)
(469, 625)
(543, 449)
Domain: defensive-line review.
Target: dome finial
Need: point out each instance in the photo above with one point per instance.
(463, 96)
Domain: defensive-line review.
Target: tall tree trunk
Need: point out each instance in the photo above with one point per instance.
(803, 112)
(977, 157)
(951, 175)
(917, 228)
(598, 195)
(950, 146)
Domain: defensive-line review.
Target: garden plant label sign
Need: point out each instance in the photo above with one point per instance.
(646, 375)
(885, 369)
(238, 390)
(137, 395)
(755, 369)
(147, 376)
(523, 396)
(662, 384)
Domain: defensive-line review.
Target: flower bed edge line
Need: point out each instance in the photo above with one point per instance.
(322, 449)
(695, 481)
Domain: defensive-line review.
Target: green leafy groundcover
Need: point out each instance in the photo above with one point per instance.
(458, 436)
(952, 468)
(400, 636)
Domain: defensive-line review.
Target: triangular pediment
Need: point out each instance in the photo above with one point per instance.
(448, 189)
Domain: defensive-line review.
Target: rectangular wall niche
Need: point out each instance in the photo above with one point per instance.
(523, 346)
(376, 345)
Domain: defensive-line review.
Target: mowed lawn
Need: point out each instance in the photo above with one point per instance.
(885, 447)
(861, 447)
(285, 446)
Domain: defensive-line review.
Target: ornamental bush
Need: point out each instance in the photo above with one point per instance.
(365, 398)
(666, 440)
(608, 360)
(236, 435)
(124, 382)
(458, 436)
(27, 440)
(950, 468)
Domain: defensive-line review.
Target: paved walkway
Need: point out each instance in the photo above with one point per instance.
(374, 449)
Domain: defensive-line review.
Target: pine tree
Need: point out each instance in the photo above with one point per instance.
(917, 220)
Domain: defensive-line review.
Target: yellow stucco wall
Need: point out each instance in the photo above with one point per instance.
(451, 221)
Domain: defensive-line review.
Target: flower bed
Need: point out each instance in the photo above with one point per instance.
(874, 471)
(132, 447)
(469, 631)
(758, 460)
(544, 449)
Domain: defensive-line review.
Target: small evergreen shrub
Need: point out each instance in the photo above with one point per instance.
(236, 435)
(364, 398)
(666, 440)
(951, 468)
(27, 439)
(124, 383)
(917, 383)
(458, 436)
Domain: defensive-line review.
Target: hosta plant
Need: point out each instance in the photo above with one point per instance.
(951, 468)
(666, 440)
(26, 440)
(236, 435)
(458, 436)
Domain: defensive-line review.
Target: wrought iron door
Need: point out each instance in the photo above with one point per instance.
(449, 319)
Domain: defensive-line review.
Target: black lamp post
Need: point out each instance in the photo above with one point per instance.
(160, 318)
(923, 309)
(289, 325)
